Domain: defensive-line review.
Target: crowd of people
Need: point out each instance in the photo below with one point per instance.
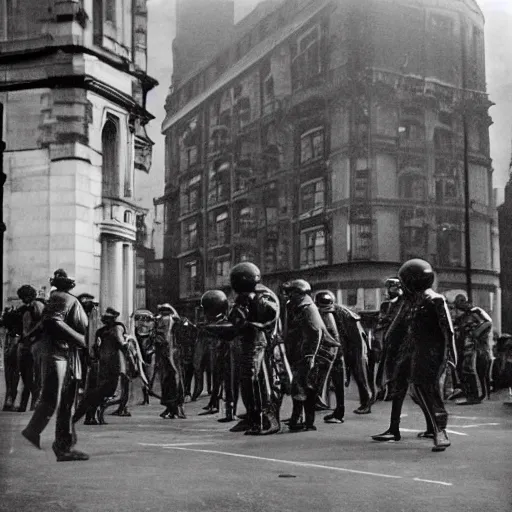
(262, 346)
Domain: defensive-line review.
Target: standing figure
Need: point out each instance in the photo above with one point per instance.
(11, 321)
(312, 352)
(423, 343)
(254, 315)
(474, 327)
(31, 313)
(168, 360)
(110, 345)
(203, 362)
(144, 333)
(388, 310)
(326, 305)
(64, 326)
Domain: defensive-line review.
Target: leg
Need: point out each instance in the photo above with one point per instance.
(338, 380)
(470, 377)
(94, 397)
(26, 366)
(309, 410)
(359, 369)
(393, 432)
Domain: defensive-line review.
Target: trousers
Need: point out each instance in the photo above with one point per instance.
(57, 395)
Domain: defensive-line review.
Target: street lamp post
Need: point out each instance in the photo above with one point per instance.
(2, 225)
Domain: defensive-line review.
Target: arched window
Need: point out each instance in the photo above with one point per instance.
(128, 216)
(110, 165)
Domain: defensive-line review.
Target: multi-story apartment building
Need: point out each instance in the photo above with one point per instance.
(325, 140)
(73, 82)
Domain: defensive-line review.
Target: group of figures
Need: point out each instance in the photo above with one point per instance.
(262, 346)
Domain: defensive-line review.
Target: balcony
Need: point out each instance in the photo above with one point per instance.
(117, 218)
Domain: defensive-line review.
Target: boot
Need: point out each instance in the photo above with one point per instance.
(391, 434)
(69, 455)
(242, 426)
(363, 409)
(295, 421)
(333, 418)
(181, 413)
(229, 415)
(428, 434)
(441, 441)
(271, 424)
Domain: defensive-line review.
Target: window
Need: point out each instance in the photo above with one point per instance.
(361, 234)
(221, 228)
(413, 186)
(443, 140)
(306, 62)
(191, 284)
(110, 163)
(361, 184)
(110, 11)
(246, 221)
(447, 182)
(271, 256)
(312, 145)
(312, 197)
(449, 240)
(189, 240)
(413, 234)
(222, 270)
(312, 252)
(189, 196)
(411, 131)
(271, 216)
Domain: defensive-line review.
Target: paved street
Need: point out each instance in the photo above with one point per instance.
(145, 463)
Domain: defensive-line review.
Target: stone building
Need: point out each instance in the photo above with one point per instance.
(505, 230)
(73, 82)
(325, 140)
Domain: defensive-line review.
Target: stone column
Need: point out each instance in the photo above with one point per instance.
(114, 295)
(104, 274)
(128, 281)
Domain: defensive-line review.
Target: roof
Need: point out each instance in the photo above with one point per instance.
(251, 58)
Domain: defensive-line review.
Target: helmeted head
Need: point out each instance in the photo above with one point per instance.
(87, 301)
(393, 287)
(143, 321)
(110, 316)
(214, 304)
(416, 275)
(167, 310)
(296, 289)
(244, 277)
(27, 293)
(61, 281)
(461, 302)
(325, 299)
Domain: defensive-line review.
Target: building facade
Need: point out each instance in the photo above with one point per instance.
(505, 231)
(326, 141)
(73, 82)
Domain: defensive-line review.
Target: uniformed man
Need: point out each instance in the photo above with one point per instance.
(64, 326)
(144, 332)
(31, 312)
(387, 312)
(474, 327)
(421, 336)
(312, 352)
(255, 315)
(326, 305)
(168, 360)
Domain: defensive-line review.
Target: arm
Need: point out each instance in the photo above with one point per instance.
(446, 325)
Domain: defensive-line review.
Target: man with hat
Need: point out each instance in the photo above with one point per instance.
(64, 323)
(168, 360)
(112, 363)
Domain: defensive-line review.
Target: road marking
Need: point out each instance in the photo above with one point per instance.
(302, 464)
(432, 481)
(477, 425)
(172, 445)
(449, 431)
(467, 417)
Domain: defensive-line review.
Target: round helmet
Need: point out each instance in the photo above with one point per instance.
(392, 282)
(298, 286)
(460, 301)
(27, 292)
(324, 298)
(214, 303)
(416, 275)
(244, 277)
(62, 281)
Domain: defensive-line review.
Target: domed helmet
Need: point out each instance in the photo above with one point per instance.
(297, 287)
(461, 302)
(214, 303)
(244, 277)
(62, 281)
(393, 287)
(416, 275)
(324, 299)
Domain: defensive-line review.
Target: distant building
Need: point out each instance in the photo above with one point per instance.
(325, 141)
(74, 84)
(505, 234)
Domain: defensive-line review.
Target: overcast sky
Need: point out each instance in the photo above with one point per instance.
(499, 78)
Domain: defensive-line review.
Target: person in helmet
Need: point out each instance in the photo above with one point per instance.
(312, 352)
(423, 331)
(474, 327)
(255, 316)
(215, 306)
(388, 310)
(31, 312)
(144, 324)
(112, 366)
(326, 305)
(64, 324)
(168, 360)
(12, 323)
